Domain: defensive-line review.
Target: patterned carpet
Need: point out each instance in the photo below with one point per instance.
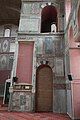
(32, 116)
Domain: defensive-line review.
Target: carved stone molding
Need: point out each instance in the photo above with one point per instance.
(46, 61)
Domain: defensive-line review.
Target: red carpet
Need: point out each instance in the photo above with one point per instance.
(32, 116)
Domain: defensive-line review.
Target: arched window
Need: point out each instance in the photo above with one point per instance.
(7, 32)
(48, 19)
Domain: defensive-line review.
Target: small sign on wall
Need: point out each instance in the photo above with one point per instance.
(22, 87)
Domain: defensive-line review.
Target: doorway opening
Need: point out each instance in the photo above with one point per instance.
(44, 89)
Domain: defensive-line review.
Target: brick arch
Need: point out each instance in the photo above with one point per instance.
(44, 89)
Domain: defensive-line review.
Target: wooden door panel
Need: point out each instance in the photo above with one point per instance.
(44, 94)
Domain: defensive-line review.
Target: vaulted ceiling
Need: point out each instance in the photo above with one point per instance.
(10, 11)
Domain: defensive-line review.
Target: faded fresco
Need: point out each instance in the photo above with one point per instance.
(48, 45)
(39, 45)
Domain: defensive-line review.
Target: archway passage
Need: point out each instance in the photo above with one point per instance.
(48, 17)
(44, 89)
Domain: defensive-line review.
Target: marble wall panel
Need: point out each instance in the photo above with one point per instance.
(59, 100)
(59, 80)
(39, 45)
(29, 25)
(48, 45)
(69, 103)
(1, 30)
(59, 67)
(58, 47)
(5, 45)
(14, 31)
(6, 61)
(31, 8)
(21, 101)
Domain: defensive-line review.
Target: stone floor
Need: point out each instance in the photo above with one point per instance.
(4, 115)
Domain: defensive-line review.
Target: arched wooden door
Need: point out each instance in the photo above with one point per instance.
(44, 89)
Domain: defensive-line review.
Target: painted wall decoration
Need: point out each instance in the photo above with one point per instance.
(39, 45)
(6, 61)
(59, 68)
(5, 56)
(5, 45)
(26, 8)
(11, 58)
(3, 61)
(22, 100)
(35, 8)
(48, 45)
(58, 47)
